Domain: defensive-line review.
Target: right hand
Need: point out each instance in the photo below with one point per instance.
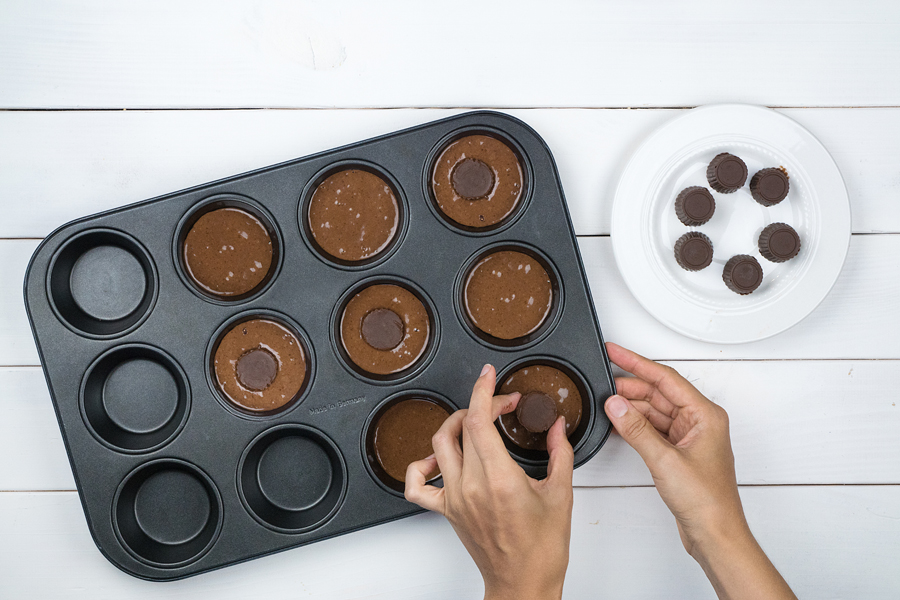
(683, 438)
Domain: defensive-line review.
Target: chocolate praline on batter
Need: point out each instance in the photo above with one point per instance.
(694, 206)
(477, 181)
(779, 242)
(228, 252)
(508, 294)
(726, 173)
(770, 186)
(536, 412)
(543, 380)
(385, 329)
(403, 435)
(260, 365)
(353, 215)
(742, 274)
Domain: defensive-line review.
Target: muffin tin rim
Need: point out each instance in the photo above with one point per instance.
(269, 223)
(309, 189)
(551, 321)
(399, 396)
(248, 315)
(404, 375)
(152, 279)
(524, 162)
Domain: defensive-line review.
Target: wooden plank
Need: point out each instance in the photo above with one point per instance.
(624, 545)
(792, 422)
(856, 320)
(285, 54)
(58, 166)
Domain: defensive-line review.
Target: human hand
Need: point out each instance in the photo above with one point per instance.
(516, 528)
(684, 440)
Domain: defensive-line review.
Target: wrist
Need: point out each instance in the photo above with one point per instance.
(525, 587)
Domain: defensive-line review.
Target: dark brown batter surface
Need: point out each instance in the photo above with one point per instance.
(549, 381)
(508, 294)
(353, 215)
(412, 315)
(477, 181)
(227, 252)
(260, 365)
(403, 435)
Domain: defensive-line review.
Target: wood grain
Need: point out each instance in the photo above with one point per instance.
(58, 166)
(624, 545)
(785, 429)
(398, 53)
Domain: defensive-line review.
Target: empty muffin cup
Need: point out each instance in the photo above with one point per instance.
(543, 382)
(352, 214)
(385, 329)
(292, 478)
(260, 363)
(135, 398)
(509, 295)
(477, 181)
(167, 513)
(227, 248)
(399, 432)
(102, 283)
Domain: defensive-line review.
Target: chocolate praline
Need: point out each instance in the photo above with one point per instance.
(693, 251)
(508, 294)
(779, 242)
(547, 381)
(260, 365)
(742, 274)
(403, 435)
(353, 215)
(227, 252)
(770, 186)
(385, 329)
(536, 412)
(694, 206)
(477, 181)
(726, 173)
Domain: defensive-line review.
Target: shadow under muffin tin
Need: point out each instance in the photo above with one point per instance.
(223, 358)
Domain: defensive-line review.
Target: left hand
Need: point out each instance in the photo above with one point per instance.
(516, 528)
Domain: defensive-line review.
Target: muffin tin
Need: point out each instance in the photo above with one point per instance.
(174, 479)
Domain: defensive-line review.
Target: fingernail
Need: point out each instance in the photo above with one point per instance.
(616, 406)
(485, 369)
(429, 457)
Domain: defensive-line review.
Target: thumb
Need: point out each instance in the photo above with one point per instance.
(635, 429)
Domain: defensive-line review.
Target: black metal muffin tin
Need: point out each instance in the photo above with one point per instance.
(172, 479)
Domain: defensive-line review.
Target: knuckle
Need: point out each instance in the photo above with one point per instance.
(439, 439)
(634, 428)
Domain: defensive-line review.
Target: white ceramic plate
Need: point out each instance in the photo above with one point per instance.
(645, 228)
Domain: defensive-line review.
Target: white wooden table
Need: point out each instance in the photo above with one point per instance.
(107, 103)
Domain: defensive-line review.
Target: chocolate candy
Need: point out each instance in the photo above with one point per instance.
(694, 206)
(256, 370)
(472, 179)
(742, 274)
(536, 412)
(726, 173)
(769, 186)
(779, 242)
(547, 381)
(383, 329)
(693, 251)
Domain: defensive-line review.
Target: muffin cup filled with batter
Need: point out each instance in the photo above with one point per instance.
(399, 432)
(227, 249)
(539, 379)
(385, 329)
(477, 180)
(508, 295)
(260, 363)
(352, 214)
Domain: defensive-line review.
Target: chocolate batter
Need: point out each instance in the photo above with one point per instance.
(508, 294)
(548, 381)
(260, 365)
(477, 181)
(403, 435)
(353, 215)
(228, 252)
(369, 335)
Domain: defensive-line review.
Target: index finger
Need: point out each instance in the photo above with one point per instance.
(479, 429)
(676, 388)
